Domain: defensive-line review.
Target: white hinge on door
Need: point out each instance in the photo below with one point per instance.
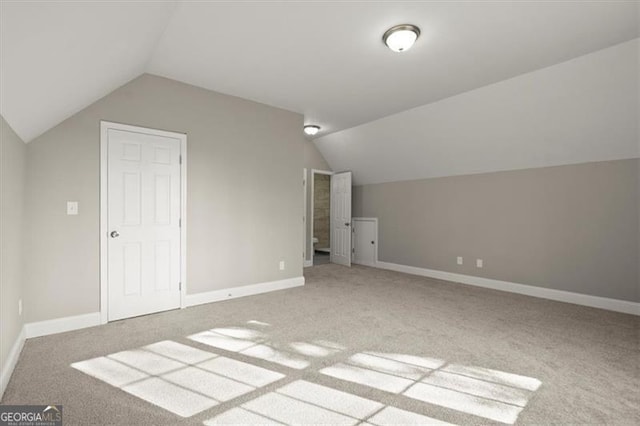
(180, 159)
(180, 286)
(180, 223)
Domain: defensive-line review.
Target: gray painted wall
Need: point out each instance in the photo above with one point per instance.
(573, 228)
(13, 154)
(244, 193)
(312, 160)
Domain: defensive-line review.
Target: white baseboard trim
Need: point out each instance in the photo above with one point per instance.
(11, 361)
(60, 325)
(616, 305)
(371, 264)
(307, 263)
(247, 290)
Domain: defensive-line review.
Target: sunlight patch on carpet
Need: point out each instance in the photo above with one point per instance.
(367, 377)
(303, 402)
(179, 378)
(269, 353)
(186, 380)
(491, 394)
(256, 344)
(395, 416)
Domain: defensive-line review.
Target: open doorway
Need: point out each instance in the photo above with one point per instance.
(320, 216)
(330, 217)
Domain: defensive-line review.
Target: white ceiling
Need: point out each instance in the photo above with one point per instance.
(323, 59)
(58, 57)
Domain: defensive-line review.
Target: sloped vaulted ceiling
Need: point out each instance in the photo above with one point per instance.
(58, 57)
(325, 60)
(582, 110)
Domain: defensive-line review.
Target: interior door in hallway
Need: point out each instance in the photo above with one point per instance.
(144, 208)
(341, 218)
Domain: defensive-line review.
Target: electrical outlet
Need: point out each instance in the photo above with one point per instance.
(479, 263)
(72, 208)
(282, 265)
(19, 307)
(459, 260)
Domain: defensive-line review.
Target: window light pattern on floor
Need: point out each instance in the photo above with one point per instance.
(492, 394)
(303, 402)
(186, 381)
(256, 344)
(177, 377)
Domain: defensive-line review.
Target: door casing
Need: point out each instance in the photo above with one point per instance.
(104, 230)
(315, 172)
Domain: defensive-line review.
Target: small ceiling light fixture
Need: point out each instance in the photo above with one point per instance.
(401, 37)
(311, 129)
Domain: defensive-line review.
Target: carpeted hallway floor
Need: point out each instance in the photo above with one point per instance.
(352, 345)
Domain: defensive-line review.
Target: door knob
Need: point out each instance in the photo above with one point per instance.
(346, 224)
(114, 234)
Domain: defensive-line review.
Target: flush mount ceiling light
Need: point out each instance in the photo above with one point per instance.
(401, 37)
(311, 129)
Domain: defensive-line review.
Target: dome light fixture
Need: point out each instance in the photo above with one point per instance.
(311, 129)
(401, 37)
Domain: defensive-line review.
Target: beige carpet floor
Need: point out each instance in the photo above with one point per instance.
(352, 346)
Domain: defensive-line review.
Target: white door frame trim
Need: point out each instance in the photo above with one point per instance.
(304, 217)
(353, 230)
(315, 172)
(104, 223)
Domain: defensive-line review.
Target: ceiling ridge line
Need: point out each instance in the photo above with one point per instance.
(156, 44)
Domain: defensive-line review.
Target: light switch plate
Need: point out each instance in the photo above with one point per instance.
(459, 260)
(72, 207)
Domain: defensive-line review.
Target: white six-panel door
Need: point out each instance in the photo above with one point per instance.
(143, 223)
(341, 218)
